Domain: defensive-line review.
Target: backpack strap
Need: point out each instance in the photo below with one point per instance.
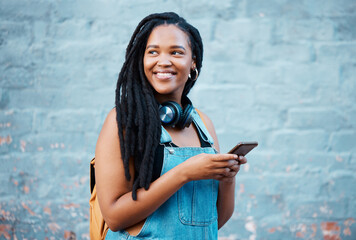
(201, 116)
(92, 174)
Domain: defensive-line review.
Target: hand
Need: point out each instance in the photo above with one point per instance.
(234, 170)
(210, 166)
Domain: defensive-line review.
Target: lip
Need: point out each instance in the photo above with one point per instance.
(164, 74)
(165, 71)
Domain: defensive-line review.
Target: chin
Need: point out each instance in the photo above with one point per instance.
(164, 91)
(163, 88)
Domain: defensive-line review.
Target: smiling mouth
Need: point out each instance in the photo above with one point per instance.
(164, 75)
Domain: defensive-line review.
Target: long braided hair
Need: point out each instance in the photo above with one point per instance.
(136, 107)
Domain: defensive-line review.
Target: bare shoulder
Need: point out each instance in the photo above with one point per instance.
(109, 128)
(108, 141)
(110, 120)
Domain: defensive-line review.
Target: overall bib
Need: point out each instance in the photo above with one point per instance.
(190, 213)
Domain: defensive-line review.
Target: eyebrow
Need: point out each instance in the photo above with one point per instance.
(173, 46)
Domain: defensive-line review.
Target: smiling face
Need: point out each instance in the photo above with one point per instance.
(168, 61)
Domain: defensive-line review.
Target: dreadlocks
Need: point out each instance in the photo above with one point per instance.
(136, 107)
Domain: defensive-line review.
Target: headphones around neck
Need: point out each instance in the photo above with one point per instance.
(172, 114)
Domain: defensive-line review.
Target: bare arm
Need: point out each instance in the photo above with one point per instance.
(114, 191)
(226, 195)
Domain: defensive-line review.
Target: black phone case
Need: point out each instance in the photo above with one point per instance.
(242, 149)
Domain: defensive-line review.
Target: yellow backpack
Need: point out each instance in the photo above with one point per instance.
(97, 227)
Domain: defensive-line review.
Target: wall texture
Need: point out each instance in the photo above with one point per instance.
(279, 72)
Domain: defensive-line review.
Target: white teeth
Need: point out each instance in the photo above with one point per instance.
(164, 75)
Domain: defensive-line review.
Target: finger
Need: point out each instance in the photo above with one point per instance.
(224, 157)
(220, 171)
(242, 160)
(227, 172)
(231, 174)
(226, 163)
(223, 171)
(235, 168)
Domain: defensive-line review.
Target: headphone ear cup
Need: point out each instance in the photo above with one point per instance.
(170, 113)
(187, 116)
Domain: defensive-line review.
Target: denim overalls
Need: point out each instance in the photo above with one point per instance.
(190, 213)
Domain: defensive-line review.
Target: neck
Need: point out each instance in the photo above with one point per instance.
(161, 99)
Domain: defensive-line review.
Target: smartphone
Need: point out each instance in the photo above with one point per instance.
(242, 148)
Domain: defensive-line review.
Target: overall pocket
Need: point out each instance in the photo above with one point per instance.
(197, 202)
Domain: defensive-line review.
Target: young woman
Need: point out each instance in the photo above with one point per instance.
(158, 174)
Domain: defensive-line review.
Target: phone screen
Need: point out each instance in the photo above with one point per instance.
(242, 148)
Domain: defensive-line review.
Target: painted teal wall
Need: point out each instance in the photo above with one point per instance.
(279, 72)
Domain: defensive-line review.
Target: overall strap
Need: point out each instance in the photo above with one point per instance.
(201, 127)
(165, 137)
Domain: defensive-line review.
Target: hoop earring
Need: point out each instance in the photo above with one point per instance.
(196, 75)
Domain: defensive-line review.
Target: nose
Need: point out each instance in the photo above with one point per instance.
(164, 60)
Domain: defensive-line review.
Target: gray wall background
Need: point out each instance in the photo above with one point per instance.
(278, 72)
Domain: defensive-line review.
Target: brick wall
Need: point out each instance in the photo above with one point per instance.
(279, 72)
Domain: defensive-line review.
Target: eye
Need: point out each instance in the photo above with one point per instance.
(177, 52)
(152, 52)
